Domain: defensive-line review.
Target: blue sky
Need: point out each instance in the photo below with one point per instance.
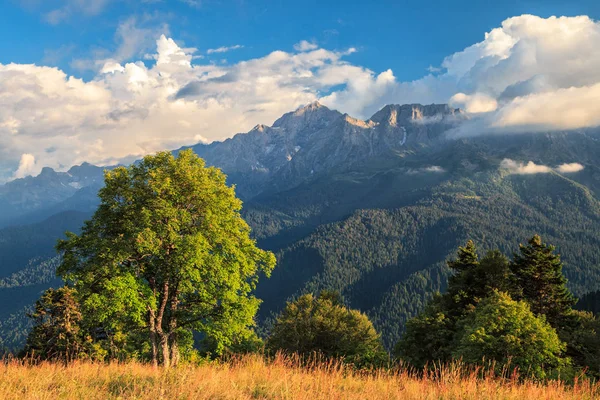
(108, 81)
(406, 36)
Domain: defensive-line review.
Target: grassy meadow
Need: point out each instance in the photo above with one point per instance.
(252, 377)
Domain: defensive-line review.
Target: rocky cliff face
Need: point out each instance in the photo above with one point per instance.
(313, 139)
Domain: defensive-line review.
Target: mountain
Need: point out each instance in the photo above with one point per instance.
(314, 141)
(32, 199)
(370, 208)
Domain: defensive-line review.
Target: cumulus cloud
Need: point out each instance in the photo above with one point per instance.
(543, 74)
(133, 37)
(475, 103)
(569, 168)
(434, 168)
(305, 45)
(530, 74)
(519, 168)
(224, 49)
(27, 166)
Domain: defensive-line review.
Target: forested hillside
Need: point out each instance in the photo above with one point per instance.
(28, 267)
(388, 262)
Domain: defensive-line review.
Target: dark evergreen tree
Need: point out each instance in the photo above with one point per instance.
(57, 334)
(537, 270)
(475, 279)
(460, 285)
(590, 302)
(428, 336)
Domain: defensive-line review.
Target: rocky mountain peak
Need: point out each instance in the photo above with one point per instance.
(395, 114)
(312, 116)
(48, 172)
(259, 128)
(314, 106)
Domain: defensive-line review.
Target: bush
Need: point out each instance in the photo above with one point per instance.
(324, 326)
(506, 331)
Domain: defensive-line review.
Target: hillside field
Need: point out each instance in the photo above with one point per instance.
(252, 377)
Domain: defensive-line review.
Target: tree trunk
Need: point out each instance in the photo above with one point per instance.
(173, 328)
(153, 343)
(174, 353)
(166, 354)
(164, 337)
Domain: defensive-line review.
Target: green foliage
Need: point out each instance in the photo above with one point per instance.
(503, 330)
(381, 239)
(323, 325)
(166, 253)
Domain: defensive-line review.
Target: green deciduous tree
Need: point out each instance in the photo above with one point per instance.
(506, 331)
(323, 325)
(540, 282)
(166, 253)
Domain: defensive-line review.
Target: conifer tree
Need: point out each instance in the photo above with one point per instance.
(461, 283)
(537, 270)
(56, 334)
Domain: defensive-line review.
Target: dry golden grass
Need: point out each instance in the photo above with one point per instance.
(253, 378)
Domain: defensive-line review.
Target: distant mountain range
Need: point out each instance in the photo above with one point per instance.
(370, 208)
(32, 199)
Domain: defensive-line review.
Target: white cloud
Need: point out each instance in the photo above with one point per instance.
(515, 167)
(476, 103)
(192, 3)
(75, 7)
(436, 169)
(529, 74)
(224, 49)
(305, 45)
(27, 166)
(544, 74)
(572, 108)
(569, 168)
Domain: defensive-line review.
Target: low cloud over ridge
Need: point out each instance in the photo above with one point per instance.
(520, 168)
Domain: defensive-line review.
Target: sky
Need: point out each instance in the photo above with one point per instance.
(108, 81)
